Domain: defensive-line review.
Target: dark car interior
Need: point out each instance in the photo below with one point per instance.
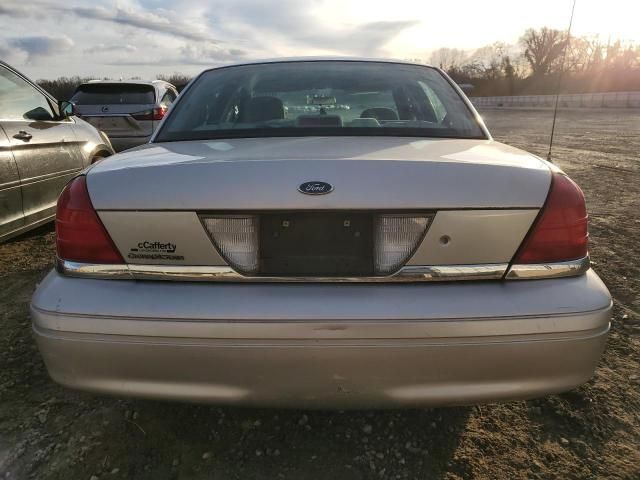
(298, 99)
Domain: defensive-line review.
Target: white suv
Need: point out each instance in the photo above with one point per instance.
(127, 111)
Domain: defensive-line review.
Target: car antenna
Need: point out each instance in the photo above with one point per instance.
(564, 59)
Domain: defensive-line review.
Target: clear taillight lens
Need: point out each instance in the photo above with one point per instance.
(396, 238)
(236, 237)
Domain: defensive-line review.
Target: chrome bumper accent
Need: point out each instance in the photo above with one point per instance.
(227, 274)
(412, 273)
(549, 270)
(93, 270)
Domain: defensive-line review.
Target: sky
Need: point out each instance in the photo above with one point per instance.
(125, 38)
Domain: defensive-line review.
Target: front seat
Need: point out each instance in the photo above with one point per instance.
(380, 113)
(262, 109)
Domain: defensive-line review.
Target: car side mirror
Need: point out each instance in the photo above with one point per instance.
(66, 109)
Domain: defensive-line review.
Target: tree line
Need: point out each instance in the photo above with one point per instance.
(63, 88)
(535, 63)
(531, 66)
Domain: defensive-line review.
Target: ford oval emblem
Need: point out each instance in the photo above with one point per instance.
(315, 188)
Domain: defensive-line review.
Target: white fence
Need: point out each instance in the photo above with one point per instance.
(579, 100)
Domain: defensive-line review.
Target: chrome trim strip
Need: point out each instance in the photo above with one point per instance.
(434, 273)
(549, 270)
(91, 270)
(227, 274)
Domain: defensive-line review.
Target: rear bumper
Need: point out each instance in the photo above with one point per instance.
(322, 346)
(124, 143)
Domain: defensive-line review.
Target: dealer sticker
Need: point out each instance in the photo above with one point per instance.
(156, 250)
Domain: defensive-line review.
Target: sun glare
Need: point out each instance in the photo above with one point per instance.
(616, 19)
(470, 24)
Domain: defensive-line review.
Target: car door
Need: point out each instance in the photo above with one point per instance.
(11, 216)
(46, 151)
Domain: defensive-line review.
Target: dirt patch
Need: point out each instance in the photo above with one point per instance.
(48, 432)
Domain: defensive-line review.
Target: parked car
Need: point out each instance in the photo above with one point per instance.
(389, 254)
(41, 148)
(128, 111)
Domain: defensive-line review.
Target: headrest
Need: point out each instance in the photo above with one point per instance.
(380, 113)
(261, 109)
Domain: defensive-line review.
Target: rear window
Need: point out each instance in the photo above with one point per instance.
(119, 94)
(320, 98)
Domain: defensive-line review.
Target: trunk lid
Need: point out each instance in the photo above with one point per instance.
(391, 202)
(118, 120)
(374, 173)
(110, 107)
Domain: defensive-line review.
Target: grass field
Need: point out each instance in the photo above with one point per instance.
(48, 432)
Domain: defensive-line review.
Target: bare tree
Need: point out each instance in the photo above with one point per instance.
(622, 57)
(489, 61)
(62, 88)
(448, 58)
(543, 49)
(179, 80)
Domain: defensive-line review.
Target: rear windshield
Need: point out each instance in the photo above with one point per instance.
(119, 94)
(320, 98)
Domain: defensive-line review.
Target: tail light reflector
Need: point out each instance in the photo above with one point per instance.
(561, 231)
(80, 235)
(396, 238)
(151, 114)
(236, 237)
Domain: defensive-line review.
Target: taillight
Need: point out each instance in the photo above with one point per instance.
(80, 236)
(151, 114)
(560, 232)
(395, 239)
(236, 236)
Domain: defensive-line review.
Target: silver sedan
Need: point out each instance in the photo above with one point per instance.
(270, 248)
(42, 147)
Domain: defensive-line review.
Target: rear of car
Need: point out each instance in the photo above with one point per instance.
(323, 234)
(128, 112)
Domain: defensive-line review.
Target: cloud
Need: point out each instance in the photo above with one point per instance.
(5, 52)
(164, 34)
(209, 56)
(103, 48)
(39, 46)
(156, 22)
(16, 11)
(202, 55)
(285, 16)
(256, 25)
(365, 39)
(296, 25)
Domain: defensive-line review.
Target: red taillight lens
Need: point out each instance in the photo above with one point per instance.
(80, 236)
(152, 114)
(560, 232)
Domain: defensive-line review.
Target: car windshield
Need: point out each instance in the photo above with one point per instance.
(320, 98)
(113, 94)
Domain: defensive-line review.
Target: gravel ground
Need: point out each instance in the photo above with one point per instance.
(48, 432)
